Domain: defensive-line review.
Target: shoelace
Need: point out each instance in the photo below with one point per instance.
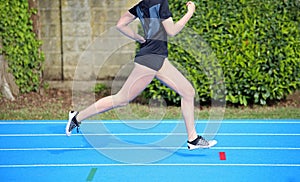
(73, 125)
(202, 141)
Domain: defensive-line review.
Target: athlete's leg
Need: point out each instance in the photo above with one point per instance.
(170, 76)
(137, 81)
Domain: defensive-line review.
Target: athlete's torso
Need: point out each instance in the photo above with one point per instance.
(151, 13)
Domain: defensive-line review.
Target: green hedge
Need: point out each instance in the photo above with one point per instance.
(247, 49)
(20, 46)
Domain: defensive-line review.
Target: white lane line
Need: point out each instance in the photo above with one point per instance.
(150, 134)
(155, 165)
(154, 122)
(147, 148)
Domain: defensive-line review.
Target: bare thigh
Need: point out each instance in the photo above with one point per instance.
(174, 79)
(136, 82)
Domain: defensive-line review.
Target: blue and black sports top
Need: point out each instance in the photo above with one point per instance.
(151, 14)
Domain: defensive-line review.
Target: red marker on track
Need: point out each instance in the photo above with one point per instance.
(222, 156)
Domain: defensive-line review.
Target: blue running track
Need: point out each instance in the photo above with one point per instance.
(255, 150)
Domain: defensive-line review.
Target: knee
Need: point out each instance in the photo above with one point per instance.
(192, 92)
(119, 100)
(189, 92)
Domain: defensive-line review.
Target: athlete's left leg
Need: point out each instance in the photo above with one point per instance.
(136, 82)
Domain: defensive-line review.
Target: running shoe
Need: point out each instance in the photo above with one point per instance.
(200, 142)
(72, 123)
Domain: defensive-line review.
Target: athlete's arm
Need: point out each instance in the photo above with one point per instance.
(172, 28)
(123, 27)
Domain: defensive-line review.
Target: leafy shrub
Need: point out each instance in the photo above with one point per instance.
(255, 50)
(99, 87)
(20, 47)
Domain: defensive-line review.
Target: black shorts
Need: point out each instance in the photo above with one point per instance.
(152, 61)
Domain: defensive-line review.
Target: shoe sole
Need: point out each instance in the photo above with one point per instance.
(71, 115)
(211, 144)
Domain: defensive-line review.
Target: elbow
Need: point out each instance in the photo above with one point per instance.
(171, 33)
(119, 26)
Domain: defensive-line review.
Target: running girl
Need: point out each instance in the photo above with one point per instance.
(150, 62)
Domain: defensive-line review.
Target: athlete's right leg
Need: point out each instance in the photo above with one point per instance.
(170, 76)
(137, 81)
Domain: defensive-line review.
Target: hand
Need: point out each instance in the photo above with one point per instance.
(142, 41)
(191, 6)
